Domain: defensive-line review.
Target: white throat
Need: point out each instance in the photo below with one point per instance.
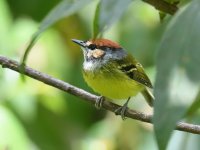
(92, 65)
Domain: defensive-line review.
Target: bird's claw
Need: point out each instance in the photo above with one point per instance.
(99, 101)
(122, 110)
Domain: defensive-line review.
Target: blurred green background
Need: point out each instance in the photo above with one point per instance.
(34, 116)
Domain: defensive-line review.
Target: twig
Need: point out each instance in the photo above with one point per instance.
(163, 6)
(13, 65)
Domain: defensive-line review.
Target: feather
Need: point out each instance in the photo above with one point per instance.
(104, 43)
(134, 70)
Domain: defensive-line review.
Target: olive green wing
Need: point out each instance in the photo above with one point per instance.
(134, 70)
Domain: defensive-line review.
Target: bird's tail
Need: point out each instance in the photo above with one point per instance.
(148, 97)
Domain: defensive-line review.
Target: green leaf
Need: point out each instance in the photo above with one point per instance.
(194, 107)
(64, 9)
(95, 22)
(107, 13)
(178, 73)
(13, 134)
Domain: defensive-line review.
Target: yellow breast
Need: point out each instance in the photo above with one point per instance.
(112, 86)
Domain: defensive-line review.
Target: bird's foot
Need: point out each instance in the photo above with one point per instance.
(99, 101)
(122, 110)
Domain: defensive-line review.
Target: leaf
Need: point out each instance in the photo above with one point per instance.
(194, 107)
(178, 73)
(12, 126)
(64, 9)
(107, 13)
(95, 22)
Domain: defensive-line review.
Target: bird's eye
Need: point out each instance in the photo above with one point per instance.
(92, 46)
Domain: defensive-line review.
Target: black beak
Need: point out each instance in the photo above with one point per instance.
(79, 42)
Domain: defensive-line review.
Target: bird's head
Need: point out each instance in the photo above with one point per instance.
(100, 50)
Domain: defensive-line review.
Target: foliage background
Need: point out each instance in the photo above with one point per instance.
(35, 116)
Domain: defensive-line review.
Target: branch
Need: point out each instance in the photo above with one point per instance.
(13, 65)
(163, 6)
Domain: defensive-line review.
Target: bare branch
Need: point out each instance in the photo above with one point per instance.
(163, 6)
(13, 65)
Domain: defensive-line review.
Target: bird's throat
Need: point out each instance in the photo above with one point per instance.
(92, 65)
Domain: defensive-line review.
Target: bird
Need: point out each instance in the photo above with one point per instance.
(113, 73)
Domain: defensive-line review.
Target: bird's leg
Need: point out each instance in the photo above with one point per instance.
(121, 110)
(99, 101)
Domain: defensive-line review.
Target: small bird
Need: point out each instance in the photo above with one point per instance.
(113, 73)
